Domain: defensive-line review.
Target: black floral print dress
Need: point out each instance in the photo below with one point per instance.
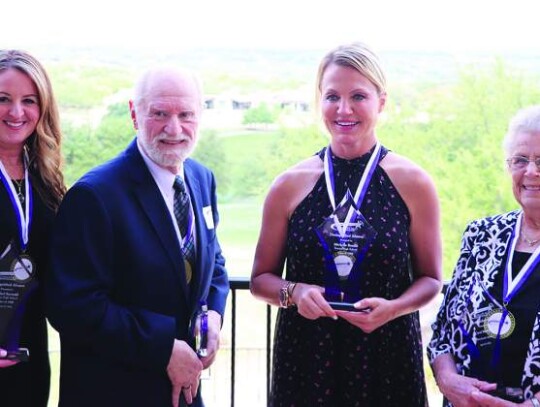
(333, 363)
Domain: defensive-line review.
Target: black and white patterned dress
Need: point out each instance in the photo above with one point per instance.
(484, 248)
(333, 363)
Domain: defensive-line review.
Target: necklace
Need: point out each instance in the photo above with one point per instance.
(530, 242)
(18, 184)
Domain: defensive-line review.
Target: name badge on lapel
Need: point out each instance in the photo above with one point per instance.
(208, 217)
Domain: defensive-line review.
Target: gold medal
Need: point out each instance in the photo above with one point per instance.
(22, 268)
(493, 323)
(189, 272)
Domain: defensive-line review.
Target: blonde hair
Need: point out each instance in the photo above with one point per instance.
(44, 144)
(358, 56)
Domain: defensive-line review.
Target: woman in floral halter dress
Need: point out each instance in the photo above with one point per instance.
(328, 357)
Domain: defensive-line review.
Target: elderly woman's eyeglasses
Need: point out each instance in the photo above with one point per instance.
(518, 162)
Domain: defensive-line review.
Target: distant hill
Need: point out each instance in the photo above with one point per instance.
(286, 67)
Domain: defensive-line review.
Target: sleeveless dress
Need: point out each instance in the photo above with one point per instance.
(333, 363)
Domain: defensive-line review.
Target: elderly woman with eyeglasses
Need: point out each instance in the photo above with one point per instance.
(485, 349)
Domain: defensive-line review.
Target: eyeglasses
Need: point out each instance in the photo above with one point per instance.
(518, 162)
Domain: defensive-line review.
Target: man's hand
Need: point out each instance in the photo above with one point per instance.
(184, 370)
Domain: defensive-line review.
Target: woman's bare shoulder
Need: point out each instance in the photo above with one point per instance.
(412, 181)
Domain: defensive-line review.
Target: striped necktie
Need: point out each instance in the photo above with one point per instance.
(184, 218)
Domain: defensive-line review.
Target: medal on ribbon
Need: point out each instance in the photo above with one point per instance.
(17, 269)
(499, 323)
(493, 323)
(345, 237)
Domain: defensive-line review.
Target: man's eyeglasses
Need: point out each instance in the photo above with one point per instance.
(518, 162)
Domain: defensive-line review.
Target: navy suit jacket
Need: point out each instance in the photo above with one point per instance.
(117, 292)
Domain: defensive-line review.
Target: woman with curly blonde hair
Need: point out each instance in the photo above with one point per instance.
(31, 189)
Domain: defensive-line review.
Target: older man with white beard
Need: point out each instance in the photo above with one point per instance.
(134, 256)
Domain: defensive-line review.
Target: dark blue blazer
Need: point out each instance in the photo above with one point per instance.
(117, 292)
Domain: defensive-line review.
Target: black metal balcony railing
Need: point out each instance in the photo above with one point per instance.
(241, 377)
(242, 283)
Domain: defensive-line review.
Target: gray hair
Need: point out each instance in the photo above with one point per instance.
(526, 120)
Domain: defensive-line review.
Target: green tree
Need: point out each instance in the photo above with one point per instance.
(209, 151)
(293, 146)
(86, 85)
(261, 114)
(456, 135)
(85, 147)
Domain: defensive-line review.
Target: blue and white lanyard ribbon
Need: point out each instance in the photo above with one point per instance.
(24, 216)
(362, 186)
(511, 284)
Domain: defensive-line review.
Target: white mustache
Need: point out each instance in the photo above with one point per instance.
(164, 137)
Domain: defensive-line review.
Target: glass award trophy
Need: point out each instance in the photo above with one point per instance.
(16, 284)
(201, 331)
(345, 237)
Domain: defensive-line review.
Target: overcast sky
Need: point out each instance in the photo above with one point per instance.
(451, 25)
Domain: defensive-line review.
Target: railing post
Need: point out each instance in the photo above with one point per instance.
(268, 349)
(233, 343)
